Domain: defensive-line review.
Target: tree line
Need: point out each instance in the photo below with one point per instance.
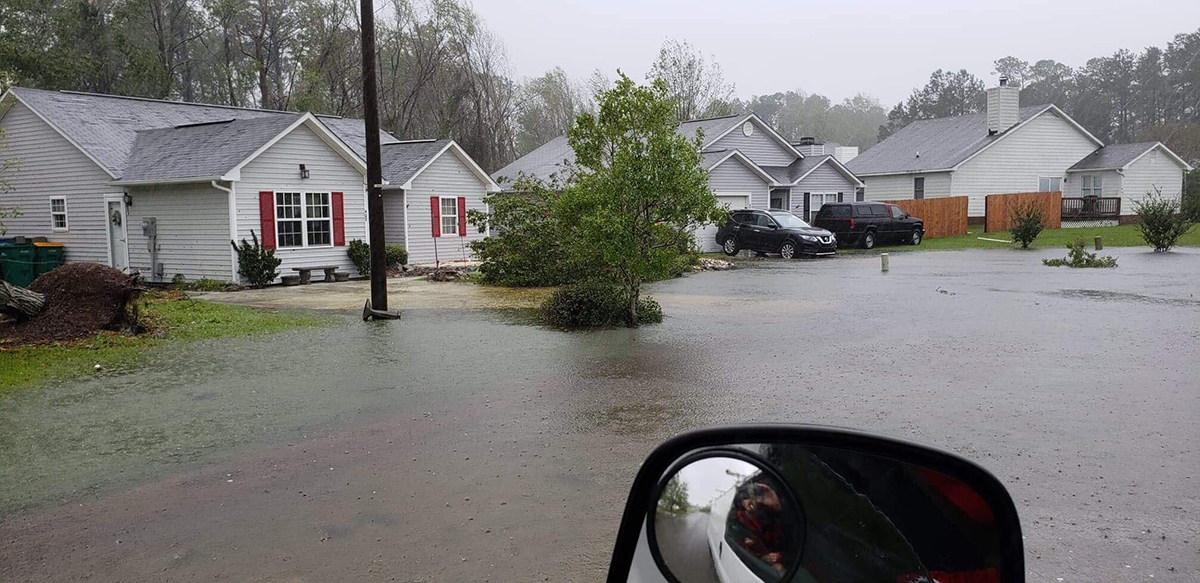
(1152, 95)
(443, 73)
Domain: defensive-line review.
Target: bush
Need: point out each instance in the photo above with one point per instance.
(256, 263)
(1027, 223)
(528, 243)
(1162, 222)
(1077, 257)
(395, 255)
(360, 255)
(595, 304)
(203, 284)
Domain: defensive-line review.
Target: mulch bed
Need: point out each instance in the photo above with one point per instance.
(81, 300)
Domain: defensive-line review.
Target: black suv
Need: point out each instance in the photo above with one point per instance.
(869, 223)
(773, 232)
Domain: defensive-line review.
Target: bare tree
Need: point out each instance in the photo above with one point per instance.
(696, 85)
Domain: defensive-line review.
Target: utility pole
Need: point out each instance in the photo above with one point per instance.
(377, 306)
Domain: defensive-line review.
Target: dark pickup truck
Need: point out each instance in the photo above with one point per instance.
(867, 224)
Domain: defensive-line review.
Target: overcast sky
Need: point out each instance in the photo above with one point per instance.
(835, 48)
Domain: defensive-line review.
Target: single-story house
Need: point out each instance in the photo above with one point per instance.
(749, 164)
(1009, 148)
(161, 187)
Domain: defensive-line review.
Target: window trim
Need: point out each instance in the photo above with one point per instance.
(1048, 179)
(442, 217)
(65, 215)
(813, 209)
(921, 190)
(1092, 190)
(303, 219)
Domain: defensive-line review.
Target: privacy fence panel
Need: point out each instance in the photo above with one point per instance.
(998, 209)
(944, 217)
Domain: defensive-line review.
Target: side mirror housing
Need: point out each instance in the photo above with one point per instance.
(777, 503)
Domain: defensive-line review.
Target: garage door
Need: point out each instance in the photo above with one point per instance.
(706, 237)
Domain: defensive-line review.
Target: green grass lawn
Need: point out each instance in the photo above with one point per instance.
(1122, 236)
(173, 318)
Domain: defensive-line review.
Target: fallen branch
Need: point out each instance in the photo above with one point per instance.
(20, 302)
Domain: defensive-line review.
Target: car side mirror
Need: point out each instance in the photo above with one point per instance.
(778, 503)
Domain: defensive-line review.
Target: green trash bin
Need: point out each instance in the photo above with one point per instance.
(17, 263)
(46, 257)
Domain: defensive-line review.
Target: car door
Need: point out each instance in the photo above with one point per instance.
(898, 224)
(771, 236)
(755, 232)
(884, 228)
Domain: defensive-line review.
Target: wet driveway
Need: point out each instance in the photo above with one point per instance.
(465, 444)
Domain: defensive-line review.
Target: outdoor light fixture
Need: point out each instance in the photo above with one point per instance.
(303, 172)
(128, 200)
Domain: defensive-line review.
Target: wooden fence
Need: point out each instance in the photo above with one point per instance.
(943, 217)
(998, 209)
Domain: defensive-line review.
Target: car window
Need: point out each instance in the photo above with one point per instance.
(763, 220)
(862, 211)
(838, 212)
(789, 221)
(741, 218)
(879, 210)
(897, 212)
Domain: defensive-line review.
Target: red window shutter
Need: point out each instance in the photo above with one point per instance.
(266, 217)
(339, 220)
(435, 215)
(462, 216)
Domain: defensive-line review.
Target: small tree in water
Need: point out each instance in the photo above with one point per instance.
(638, 189)
(1026, 223)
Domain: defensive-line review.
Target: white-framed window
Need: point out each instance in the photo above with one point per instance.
(1049, 183)
(58, 213)
(449, 216)
(815, 200)
(1091, 185)
(303, 219)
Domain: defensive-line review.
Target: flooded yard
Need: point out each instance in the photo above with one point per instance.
(467, 443)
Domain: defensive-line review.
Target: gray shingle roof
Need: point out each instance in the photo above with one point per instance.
(792, 172)
(107, 126)
(548, 158)
(942, 143)
(206, 150)
(1113, 156)
(401, 160)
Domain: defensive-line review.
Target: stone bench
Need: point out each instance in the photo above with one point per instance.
(330, 273)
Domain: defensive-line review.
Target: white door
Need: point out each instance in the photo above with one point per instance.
(706, 237)
(118, 247)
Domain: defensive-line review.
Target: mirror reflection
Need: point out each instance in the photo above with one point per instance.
(727, 519)
(833, 514)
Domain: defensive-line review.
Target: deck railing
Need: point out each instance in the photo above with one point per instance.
(1090, 208)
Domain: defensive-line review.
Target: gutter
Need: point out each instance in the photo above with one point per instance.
(232, 204)
(195, 180)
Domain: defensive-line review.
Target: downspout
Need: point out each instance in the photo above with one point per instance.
(231, 196)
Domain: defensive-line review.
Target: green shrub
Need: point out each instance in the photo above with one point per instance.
(1027, 223)
(595, 304)
(1077, 257)
(395, 255)
(256, 263)
(1162, 222)
(528, 246)
(360, 255)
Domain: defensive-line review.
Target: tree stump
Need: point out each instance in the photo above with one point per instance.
(19, 301)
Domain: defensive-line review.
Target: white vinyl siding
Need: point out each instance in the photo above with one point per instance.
(278, 170)
(393, 217)
(900, 186)
(1045, 146)
(50, 166)
(1155, 169)
(759, 146)
(825, 178)
(447, 176)
(1110, 185)
(733, 176)
(193, 231)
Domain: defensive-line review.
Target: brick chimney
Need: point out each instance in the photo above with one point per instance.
(1003, 103)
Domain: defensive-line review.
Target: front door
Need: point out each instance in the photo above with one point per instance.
(118, 247)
